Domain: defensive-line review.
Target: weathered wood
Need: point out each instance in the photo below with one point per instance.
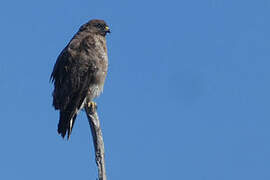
(91, 112)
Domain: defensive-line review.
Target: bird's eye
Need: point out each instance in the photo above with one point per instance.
(100, 26)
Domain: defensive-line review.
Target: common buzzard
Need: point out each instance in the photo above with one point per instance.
(79, 72)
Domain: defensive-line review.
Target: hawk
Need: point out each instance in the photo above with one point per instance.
(79, 73)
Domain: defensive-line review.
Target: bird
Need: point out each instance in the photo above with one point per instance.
(79, 73)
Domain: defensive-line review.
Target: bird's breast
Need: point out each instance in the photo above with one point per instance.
(101, 67)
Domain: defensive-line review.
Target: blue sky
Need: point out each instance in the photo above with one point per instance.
(187, 93)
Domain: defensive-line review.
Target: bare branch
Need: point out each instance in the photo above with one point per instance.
(91, 112)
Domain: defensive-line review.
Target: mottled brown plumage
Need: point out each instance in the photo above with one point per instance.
(80, 72)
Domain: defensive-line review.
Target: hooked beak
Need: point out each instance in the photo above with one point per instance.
(107, 29)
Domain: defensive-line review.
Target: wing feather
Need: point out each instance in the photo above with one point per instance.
(73, 72)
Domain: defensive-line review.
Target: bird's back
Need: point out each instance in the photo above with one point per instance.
(79, 73)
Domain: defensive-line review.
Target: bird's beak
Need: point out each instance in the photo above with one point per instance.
(107, 29)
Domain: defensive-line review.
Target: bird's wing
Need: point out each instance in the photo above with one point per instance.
(72, 74)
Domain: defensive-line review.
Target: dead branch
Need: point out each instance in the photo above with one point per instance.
(91, 112)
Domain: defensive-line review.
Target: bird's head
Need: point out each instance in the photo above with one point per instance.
(96, 26)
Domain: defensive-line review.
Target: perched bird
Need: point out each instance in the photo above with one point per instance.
(79, 72)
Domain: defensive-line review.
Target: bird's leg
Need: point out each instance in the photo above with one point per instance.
(92, 106)
(92, 103)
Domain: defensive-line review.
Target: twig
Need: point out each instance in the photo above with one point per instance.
(91, 112)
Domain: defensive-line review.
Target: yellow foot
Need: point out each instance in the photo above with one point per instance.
(92, 105)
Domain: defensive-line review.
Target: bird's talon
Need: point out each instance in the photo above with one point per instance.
(92, 105)
(89, 104)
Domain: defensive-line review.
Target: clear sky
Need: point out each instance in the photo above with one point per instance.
(187, 93)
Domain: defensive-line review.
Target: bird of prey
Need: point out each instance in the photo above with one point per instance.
(79, 73)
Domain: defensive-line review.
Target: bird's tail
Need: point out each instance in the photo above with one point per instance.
(68, 117)
(66, 123)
